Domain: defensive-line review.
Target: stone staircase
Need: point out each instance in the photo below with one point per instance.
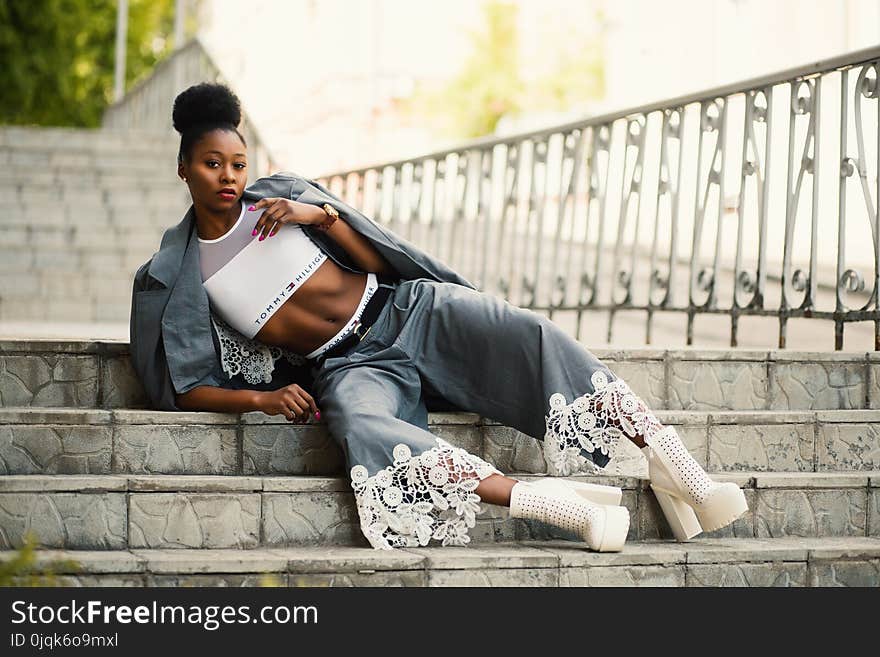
(148, 498)
(81, 210)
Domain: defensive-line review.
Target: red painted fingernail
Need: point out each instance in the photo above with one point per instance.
(251, 209)
(254, 233)
(317, 415)
(262, 237)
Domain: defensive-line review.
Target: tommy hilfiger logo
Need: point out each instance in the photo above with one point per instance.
(290, 288)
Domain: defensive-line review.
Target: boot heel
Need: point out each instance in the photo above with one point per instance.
(596, 493)
(615, 530)
(681, 517)
(722, 508)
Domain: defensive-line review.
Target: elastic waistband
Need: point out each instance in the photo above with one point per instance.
(369, 290)
(375, 282)
(369, 316)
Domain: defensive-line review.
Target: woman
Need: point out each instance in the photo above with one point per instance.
(380, 335)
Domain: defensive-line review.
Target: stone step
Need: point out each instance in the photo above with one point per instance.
(99, 374)
(36, 440)
(67, 201)
(63, 205)
(102, 185)
(81, 202)
(108, 179)
(103, 161)
(86, 240)
(69, 287)
(89, 310)
(112, 512)
(62, 139)
(41, 243)
(74, 260)
(774, 562)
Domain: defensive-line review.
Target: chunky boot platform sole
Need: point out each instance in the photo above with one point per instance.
(690, 500)
(722, 507)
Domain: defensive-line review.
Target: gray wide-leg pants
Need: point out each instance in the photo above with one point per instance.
(483, 355)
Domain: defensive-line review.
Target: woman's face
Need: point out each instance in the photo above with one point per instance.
(216, 172)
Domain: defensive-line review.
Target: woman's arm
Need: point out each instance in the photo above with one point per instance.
(358, 247)
(280, 211)
(219, 400)
(291, 401)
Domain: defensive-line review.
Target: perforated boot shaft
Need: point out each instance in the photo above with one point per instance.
(668, 451)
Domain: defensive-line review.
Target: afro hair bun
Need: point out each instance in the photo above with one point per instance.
(205, 103)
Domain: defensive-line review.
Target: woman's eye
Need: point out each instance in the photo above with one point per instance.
(241, 165)
(213, 162)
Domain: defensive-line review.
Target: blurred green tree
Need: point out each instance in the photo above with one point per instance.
(58, 56)
(490, 86)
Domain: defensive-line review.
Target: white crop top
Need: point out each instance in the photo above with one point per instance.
(246, 279)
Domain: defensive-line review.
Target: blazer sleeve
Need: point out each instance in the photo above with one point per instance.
(146, 349)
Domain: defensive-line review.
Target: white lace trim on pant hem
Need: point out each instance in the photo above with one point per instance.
(419, 498)
(594, 421)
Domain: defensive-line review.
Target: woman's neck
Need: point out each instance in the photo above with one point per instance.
(211, 224)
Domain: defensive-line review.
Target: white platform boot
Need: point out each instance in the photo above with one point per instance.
(595, 493)
(690, 500)
(602, 527)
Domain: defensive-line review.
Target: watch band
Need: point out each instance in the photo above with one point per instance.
(332, 216)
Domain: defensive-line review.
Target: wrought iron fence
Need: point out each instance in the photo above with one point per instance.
(147, 106)
(754, 199)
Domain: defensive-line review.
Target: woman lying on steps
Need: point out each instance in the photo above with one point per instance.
(378, 326)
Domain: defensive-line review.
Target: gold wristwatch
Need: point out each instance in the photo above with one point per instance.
(332, 216)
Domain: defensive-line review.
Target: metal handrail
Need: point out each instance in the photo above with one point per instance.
(597, 214)
(784, 75)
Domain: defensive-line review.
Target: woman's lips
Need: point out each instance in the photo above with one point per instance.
(227, 195)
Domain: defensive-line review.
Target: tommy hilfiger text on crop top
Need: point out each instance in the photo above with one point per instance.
(248, 280)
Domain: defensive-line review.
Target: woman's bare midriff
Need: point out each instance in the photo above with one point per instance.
(316, 311)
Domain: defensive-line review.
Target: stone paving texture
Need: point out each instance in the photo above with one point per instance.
(98, 373)
(797, 562)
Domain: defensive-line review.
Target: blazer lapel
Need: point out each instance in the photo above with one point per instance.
(186, 323)
(166, 262)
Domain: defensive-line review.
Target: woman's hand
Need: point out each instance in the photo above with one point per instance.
(280, 211)
(291, 401)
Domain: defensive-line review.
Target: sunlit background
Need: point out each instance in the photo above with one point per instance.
(337, 85)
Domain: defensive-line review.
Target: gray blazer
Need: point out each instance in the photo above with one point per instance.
(173, 344)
